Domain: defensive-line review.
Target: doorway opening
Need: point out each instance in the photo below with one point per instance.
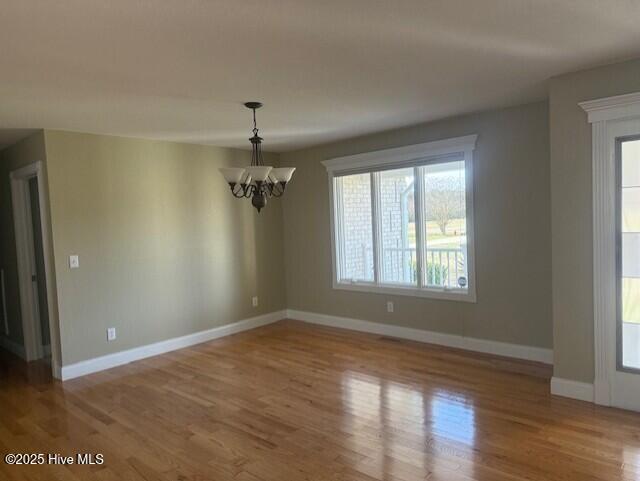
(35, 271)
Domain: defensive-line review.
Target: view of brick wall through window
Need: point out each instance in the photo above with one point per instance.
(397, 226)
(397, 232)
(357, 234)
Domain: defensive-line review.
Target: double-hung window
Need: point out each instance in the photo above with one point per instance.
(402, 220)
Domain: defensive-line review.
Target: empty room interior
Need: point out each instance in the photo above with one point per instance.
(291, 240)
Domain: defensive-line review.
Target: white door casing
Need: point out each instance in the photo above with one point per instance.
(611, 118)
(26, 262)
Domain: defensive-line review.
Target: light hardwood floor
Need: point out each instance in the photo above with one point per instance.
(291, 402)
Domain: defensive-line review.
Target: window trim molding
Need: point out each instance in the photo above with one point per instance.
(396, 157)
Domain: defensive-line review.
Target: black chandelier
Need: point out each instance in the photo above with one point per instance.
(258, 181)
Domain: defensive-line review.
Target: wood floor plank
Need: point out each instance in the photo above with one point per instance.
(291, 402)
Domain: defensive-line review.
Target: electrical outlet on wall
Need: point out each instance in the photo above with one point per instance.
(389, 306)
(254, 301)
(111, 334)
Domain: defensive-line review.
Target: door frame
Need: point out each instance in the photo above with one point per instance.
(606, 116)
(25, 254)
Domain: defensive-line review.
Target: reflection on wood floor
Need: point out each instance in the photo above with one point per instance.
(291, 402)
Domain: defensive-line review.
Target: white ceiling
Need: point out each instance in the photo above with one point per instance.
(325, 69)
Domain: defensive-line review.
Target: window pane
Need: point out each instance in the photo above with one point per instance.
(445, 254)
(631, 323)
(630, 164)
(355, 232)
(631, 209)
(397, 230)
(631, 300)
(630, 253)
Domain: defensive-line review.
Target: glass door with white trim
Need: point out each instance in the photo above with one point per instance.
(616, 248)
(624, 327)
(628, 253)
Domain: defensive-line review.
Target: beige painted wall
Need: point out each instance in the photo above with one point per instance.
(24, 152)
(165, 250)
(513, 238)
(571, 194)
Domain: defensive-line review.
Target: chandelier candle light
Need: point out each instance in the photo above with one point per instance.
(258, 181)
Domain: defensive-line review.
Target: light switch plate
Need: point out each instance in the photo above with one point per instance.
(74, 262)
(389, 306)
(111, 334)
(254, 301)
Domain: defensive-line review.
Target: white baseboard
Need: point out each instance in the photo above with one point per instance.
(472, 344)
(517, 351)
(572, 389)
(13, 347)
(123, 357)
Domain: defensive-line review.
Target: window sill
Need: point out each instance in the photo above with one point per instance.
(399, 290)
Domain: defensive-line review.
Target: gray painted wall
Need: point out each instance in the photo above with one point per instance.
(165, 250)
(513, 234)
(571, 219)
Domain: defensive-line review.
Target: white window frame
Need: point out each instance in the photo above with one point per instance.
(410, 155)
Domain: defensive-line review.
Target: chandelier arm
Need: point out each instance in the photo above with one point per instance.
(241, 191)
(271, 189)
(246, 188)
(278, 190)
(237, 193)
